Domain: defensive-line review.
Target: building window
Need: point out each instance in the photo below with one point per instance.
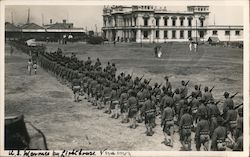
(202, 23)
(181, 34)
(237, 32)
(173, 22)
(165, 22)
(135, 20)
(145, 34)
(215, 32)
(157, 34)
(189, 34)
(165, 34)
(189, 22)
(157, 22)
(181, 22)
(201, 34)
(227, 32)
(145, 22)
(173, 34)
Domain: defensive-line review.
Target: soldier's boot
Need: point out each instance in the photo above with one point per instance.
(151, 132)
(112, 113)
(123, 118)
(148, 130)
(134, 123)
(126, 117)
(99, 105)
(116, 111)
(139, 117)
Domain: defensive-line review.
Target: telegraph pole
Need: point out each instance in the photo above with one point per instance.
(28, 19)
(12, 21)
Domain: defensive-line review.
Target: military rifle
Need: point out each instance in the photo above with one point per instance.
(141, 78)
(148, 81)
(238, 106)
(211, 89)
(185, 86)
(188, 96)
(160, 85)
(199, 87)
(217, 102)
(187, 83)
(234, 95)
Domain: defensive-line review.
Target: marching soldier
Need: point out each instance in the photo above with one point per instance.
(231, 120)
(228, 102)
(107, 97)
(168, 84)
(184, 89)
(215, 112)
(133, 109)
(185, 126)
(219, 136)
(202, 135)
(124, 105)
(76, 85)
(167, 122)
(148, 110)
(114, 106)
(207, 95)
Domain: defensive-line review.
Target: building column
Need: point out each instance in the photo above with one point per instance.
(138, 36)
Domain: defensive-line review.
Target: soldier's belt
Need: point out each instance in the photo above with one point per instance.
(150, 111)
(115, 101)
(220, 141)
(204, 133)
(76, 87)
(233, 122)
(186, 127)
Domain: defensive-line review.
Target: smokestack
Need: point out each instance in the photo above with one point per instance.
(64, 21)
(50, 21)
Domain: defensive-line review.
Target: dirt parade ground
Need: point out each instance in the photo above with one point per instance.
(50, 105)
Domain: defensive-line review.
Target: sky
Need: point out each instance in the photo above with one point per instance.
(89, 16)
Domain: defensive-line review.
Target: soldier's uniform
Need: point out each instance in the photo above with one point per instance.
(114, 106)
(124, 105)
(167, 122)
(214, 111)
(106, 97)
(231, 121)
(203, 110)
(194, 108)
(185, 126)
(202, 135)
(228, 102)
(76, 88)
(149, 112)
(133, 109)
(219, 137)
(207, 96)
(183, 89)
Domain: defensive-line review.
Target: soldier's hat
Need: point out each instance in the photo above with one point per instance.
(240, 110)
(206, 88)
(196, 86)
(166, 77)
(183, 82)
(226, 94)
(219, 119)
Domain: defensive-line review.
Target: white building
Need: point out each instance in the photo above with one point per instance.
(157, 24)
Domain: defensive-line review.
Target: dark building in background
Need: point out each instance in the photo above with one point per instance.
(56, 32)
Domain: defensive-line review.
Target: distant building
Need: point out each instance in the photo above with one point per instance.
(157, 24)
(53, 31)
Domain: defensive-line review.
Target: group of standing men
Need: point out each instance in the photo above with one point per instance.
(135, 100)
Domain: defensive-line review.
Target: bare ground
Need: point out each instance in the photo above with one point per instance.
(68, 125)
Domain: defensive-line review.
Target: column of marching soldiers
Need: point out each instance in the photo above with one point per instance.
(136, 101)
